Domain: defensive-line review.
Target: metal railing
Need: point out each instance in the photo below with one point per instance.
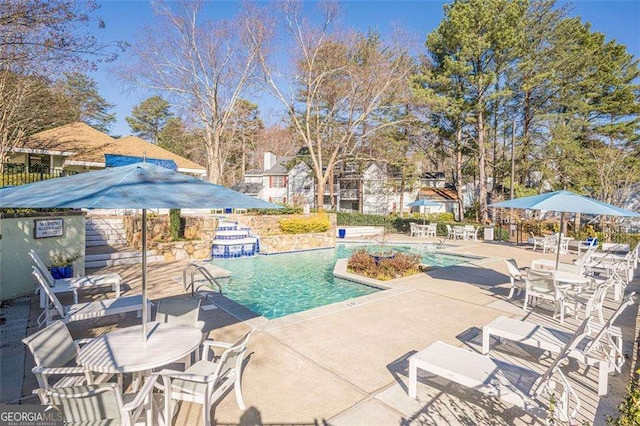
(14, 175)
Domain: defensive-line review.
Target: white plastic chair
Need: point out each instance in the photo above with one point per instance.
(432, 230)
(541, 285)
(207, 382)
(102, 403)
(53, 351)
(516, 276)
(181, 311)
(413, 228)
(450, 233)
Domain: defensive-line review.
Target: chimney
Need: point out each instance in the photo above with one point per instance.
(269, 160)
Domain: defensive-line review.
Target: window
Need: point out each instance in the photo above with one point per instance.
(278, 200)
(278, 182)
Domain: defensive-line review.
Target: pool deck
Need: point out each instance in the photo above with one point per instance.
(346, 363)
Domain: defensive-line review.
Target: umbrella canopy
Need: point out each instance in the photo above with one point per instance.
(136, 186)
(423, 203)
(564, 202)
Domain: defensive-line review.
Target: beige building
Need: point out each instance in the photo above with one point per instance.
(78, 147)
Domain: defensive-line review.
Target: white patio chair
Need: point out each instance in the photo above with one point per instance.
(207, 382)
(103, 404)
(516, 276)
(537, 241)
(550, 243)
(511, 383)
(112, 280)
(413, 228)
(181, 311)
(54, 352)
(432, 230)
(586, 245)
(541, 285)
(450, 233)
(603, 348)
(459, 233)
(87, 310)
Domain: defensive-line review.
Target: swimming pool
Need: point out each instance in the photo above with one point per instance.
(277, 285)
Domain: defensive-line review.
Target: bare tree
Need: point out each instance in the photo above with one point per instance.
(338, 86)
(40, 38)
(202, 66)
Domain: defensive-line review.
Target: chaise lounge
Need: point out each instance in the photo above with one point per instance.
(87, 310)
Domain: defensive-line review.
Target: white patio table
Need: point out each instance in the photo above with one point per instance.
(123, 351)
(566, 276)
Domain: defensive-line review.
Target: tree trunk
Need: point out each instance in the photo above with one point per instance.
(332, 190)
(482, 172)
(459, 172)
(320, 192)
(526, 131)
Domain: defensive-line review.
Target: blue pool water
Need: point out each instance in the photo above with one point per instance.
(278, 285)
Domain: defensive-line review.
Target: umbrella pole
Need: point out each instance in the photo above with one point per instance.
(559, 241)
(144, 275)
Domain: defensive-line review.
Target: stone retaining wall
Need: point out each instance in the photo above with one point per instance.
(296, 242)
(200, 231)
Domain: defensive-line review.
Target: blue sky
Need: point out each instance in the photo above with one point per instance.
(619, 20)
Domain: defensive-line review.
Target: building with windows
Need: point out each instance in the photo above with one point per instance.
(78, 147)
(370, 187)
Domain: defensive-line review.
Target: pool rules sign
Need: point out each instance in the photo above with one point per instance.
(48, 228)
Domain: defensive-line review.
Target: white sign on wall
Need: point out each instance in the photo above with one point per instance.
(48, 228)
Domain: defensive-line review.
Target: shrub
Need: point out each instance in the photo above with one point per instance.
(629, 409)
(58, 260)
(318, 222)
(175, 227)
(272, 212)
(394, 223)
(400, 265)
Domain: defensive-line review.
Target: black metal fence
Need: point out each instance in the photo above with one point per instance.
(17, 174)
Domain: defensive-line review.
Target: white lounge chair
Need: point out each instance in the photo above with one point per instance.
(102, 404)
(75, 284)
(603, 349)
(511, 383)
(87, 310)
(207, 382)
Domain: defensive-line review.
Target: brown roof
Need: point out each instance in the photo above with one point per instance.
(438, 194)
(133, 145)
(82, 143)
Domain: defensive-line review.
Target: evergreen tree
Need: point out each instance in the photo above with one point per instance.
(149, 117)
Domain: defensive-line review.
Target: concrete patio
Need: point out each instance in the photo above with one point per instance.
(346, 363)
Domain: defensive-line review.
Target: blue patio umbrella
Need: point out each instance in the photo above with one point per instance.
(135, 186)
(423, 202)
(565, 202)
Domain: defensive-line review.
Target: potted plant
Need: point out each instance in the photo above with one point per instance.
(62, 265)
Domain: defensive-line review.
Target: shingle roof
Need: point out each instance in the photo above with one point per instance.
(280, 167)
(438, 194)
(251, 188)
(82, 143)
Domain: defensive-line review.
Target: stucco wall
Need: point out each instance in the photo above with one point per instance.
(16, 240)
